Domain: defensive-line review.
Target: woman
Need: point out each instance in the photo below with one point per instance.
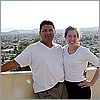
(76, 58)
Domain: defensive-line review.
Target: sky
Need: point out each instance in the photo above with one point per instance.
(29, 14)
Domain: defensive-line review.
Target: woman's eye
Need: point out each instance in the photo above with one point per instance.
(69, 36)
(74, 36)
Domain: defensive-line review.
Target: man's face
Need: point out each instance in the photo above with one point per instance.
(47, 33)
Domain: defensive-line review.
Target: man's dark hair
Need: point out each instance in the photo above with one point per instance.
(46, 22)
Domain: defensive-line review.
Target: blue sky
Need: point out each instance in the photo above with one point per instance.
(29, 14)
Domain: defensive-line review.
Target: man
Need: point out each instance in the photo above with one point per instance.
(46, 62)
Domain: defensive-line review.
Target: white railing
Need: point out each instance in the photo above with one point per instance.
(18, 85)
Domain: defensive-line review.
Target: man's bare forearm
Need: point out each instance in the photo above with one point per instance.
(9, 66)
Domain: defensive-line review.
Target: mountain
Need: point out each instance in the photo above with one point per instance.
(35, 31)
(89, 29)
(22, 31)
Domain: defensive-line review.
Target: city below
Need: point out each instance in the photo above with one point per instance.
(16, 40)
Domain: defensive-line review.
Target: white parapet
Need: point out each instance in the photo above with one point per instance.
(18, 85)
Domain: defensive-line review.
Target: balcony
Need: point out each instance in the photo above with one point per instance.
(18, 85)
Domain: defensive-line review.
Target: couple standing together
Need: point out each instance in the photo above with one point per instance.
(57, 71)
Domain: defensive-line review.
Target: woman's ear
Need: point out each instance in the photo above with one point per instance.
(55, 31)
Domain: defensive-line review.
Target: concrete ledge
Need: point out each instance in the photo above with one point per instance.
(18, 85)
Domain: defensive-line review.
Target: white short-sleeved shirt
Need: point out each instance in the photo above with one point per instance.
(76, 63)
(46, 64)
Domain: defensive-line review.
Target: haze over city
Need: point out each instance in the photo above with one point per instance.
(29, 14)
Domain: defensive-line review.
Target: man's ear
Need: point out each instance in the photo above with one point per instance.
(39, 32)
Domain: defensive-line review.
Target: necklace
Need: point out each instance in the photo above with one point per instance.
(72, 51)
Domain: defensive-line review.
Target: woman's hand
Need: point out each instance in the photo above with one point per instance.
(85, 83)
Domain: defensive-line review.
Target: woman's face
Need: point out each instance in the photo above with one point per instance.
(72, 37)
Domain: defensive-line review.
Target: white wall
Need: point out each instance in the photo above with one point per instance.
(18, 85)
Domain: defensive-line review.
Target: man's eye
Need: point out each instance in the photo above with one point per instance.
(50, 30)
(44, 30)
